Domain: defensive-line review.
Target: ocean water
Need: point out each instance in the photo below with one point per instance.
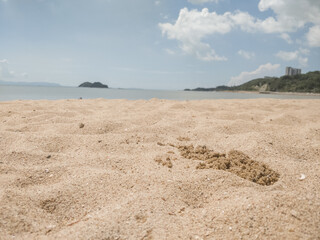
(8, 93)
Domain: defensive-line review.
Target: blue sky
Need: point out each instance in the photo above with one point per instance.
(162, 44)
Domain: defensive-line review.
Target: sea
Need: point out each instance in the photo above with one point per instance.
(9, 93)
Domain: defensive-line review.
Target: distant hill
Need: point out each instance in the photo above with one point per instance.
(304, 83)
(93, 85)
(41, 84)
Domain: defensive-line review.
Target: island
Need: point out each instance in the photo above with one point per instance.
(93, 85)
(301, 83)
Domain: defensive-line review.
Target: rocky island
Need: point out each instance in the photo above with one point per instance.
(93, 85)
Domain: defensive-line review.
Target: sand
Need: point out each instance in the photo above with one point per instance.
(160, 169)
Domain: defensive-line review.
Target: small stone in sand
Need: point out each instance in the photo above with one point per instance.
(302, 177)
(81, 125)
(294, 214)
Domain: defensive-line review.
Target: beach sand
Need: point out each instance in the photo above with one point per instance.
(160, 169)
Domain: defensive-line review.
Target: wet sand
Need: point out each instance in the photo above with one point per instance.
(160, 169)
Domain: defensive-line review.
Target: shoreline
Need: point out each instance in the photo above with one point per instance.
(289, 93)
(265, 92)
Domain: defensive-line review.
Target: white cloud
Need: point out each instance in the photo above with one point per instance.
(157, 3)
(202, 51)
(169, 51)
(164, 16)
(6, 73)
(24, 75)
(303, 61)
(286, 37)
(193, 26)
(291, 14)
(263, 70)
(304, 51)
(202, 1)
(296, 55)
(4, 70)
(246, 55)
(288, 56)
(313, 36)
(4, 61)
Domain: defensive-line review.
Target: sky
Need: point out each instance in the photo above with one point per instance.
(161, 44)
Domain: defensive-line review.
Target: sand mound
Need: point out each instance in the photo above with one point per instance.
(235, 162)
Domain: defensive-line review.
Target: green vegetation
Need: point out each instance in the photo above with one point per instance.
(309, 82)
(93, 85)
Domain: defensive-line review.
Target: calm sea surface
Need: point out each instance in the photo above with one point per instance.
(8, 93)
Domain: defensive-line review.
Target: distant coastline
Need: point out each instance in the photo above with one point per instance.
(300, 84)
(34, 84)
(272, 93)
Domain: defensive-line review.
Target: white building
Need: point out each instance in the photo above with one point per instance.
(292, 71)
